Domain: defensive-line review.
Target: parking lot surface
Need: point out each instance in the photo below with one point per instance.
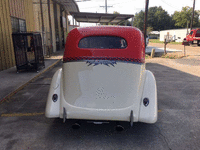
(24, 126)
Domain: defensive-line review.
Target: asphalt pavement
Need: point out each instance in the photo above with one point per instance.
(24, 126)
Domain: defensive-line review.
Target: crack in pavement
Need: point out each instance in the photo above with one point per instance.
(165, 139)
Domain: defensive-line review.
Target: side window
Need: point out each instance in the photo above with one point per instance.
(191, 32)
(103, 42)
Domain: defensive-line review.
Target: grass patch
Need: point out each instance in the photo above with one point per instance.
(147, 56)
(178, 43)
(158, 41)
(155, 41)
(173, 55)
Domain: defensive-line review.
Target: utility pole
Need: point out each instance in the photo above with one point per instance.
(192, 16)
(145, 21)
(106, 6)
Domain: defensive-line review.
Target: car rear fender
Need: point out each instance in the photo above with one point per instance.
(53, 107)
(148, 114)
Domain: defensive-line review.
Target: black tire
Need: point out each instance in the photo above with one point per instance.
(198, 43)
(191, 43)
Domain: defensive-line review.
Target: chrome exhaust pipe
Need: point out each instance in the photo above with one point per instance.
(76, 126)
(119, 128)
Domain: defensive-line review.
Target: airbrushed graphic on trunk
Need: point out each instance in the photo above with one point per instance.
(102, 62)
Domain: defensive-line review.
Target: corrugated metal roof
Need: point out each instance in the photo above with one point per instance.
(100, 17)
(68, 5)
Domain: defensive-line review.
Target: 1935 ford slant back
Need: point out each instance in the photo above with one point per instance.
(104, 77)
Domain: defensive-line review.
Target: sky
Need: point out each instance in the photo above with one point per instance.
(133, 6)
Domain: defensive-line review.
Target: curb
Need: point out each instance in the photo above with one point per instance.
(25, 84)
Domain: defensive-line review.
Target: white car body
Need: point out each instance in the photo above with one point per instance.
(100, 90)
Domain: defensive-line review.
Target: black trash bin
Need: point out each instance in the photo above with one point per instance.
(28, 51)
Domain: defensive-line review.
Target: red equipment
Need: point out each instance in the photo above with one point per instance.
(194, 37)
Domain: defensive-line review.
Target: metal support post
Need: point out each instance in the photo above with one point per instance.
(165, 44)
(41, 11)
(50, 28)
(184, 51)
(145, 21)
(106, 6)
(73, 20)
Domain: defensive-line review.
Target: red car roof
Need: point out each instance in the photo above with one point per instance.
(134, 52)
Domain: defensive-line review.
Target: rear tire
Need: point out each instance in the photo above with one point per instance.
(198, 43)
(191, 43)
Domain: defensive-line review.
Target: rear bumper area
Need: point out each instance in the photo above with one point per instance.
(62, 109)
(98, 114)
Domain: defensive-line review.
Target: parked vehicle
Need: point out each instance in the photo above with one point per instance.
(194, 37)
(104, 77)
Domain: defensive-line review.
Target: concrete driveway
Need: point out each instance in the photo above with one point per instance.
(160, 50)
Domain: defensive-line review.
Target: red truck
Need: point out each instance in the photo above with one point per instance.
(194, 37)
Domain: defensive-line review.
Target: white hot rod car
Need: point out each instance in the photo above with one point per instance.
(103, 77)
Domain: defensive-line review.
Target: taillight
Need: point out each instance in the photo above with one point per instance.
(55, 97)
(146, 102)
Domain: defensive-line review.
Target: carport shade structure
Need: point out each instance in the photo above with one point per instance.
(68, 5)
(100, 17)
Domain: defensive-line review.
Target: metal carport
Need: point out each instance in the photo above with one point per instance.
(100, 17)
(68, 5)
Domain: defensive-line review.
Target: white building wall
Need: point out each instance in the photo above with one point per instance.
(177, 34)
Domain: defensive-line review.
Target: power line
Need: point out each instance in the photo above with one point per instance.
(169, 4)
(122, 2)
(106, 6)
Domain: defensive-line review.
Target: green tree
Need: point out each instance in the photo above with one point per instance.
(139, 20)
(149, 29)
(123, 23)
(116, 12)
(158, 19)
(185, 16)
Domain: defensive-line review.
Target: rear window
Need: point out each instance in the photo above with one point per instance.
(103, 42)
